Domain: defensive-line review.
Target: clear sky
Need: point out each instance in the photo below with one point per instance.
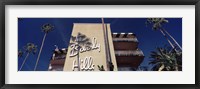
(29, 30)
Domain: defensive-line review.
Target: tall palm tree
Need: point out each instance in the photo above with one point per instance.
(79, 41)
(172, 39)
(46, 28)
(29, 48)
(165, 59)
(157, 25)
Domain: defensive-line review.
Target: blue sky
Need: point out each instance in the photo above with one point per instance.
(29, 30)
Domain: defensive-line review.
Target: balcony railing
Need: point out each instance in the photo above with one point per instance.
(125, 39)
(129, 53)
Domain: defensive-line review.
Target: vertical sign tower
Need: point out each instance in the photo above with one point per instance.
(90, 48)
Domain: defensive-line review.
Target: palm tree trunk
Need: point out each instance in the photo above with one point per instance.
(40, 51)
(173, 39)
(106, 45)
(176, 67)
(24, 61)
(162, 67)
(167, 38)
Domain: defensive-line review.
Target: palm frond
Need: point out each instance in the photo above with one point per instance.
(20, 53)
(156, 22)
(165, 56)
(30, 47)
(47, 28)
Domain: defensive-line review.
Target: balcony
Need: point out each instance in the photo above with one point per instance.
(57, 62)
(125, 39)
(129, 53)
(122, 45)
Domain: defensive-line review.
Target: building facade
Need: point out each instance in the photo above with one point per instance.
(93, 47)
(58, 59)
(96, 51)
(128, 55)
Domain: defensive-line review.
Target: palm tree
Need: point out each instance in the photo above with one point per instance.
(20, 53)
(157, 25)
(46, 28)
(29, 48)
(101, 68)
(79, 41)
(165, 59)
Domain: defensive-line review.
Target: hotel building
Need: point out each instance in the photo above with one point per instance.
(58, 59)
(127, 53)
(94, 48)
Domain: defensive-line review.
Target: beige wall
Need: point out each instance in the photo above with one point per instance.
(112, 52)
(91, 30)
